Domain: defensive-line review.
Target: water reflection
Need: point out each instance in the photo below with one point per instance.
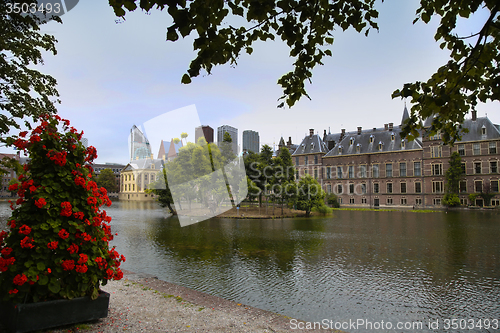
(391, 266)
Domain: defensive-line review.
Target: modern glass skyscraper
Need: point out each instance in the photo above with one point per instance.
(251, 141)
(234, 136)
(139, 145)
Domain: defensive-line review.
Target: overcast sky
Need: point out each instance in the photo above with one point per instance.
(112, 76)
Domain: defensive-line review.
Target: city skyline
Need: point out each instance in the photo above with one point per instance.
(113, 75)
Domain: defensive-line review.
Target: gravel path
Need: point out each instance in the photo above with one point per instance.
(142, 303)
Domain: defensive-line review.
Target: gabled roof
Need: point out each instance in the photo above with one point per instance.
(405, 115)
(370, 141)
(142, 164)
(475, 128)
(311, 144)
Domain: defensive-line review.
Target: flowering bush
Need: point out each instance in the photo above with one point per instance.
(58, 244)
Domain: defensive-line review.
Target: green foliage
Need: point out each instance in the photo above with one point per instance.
(58, 244)
(226, 148)
(469, 76)
(472, 198)
(309, 194)
(451, 200)
(332, 200)
(107, 180)
(24, 91)
(162, 191)
(323, 210)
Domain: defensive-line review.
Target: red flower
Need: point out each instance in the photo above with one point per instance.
(73, 248)
(40, 202)
(79, 181)
(109, 273)
(20, 279)
(81, 268)
(118, 275)
(49, 270)
(4, 263)
(53, 245)
(24, 230)
(66, 211)
(19, 201)
(101, 263)
(13, 187)
(68, 265)
(32, 189)
(23, 134)
(26, 243)
(3, 234)
(6, 251)
(63, 234)
(83, 258)
(78, 215)
(13, 291)
(91, 201)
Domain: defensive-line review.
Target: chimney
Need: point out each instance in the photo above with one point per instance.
(342, 134)
(386, 127)
(289, 143)
(391, 126)
(359, 130)
(311, 131)
(474, 115)
(374, 129)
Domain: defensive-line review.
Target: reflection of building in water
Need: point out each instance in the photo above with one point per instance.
(136, 177)
(139, 145)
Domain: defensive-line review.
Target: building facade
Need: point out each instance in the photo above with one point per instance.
(377, 168)
(8, 176)
(135, 178)
(234, 136)
(116, 168)
(204, 131)
(251, 141)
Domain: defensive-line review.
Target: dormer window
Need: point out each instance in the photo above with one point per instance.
(340, 150)
(483, 130)
(351, 141)
(371, 138)
(358, 148)
(393, 137)
(152, 166)
(380, 145)
(312, 145)
(403, 144)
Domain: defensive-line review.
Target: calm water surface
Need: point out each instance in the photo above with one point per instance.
(390, 266)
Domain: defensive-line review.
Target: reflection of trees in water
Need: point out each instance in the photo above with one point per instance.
(268, 243)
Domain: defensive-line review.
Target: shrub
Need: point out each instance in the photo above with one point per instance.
(332, 200)
(58, 244)
(451, 200)
(324, 210)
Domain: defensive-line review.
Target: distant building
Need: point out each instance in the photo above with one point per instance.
(204, 131)
(85, 142)
(139, 145)
(8, 176)
(116, 168)
(291, 147)
(135, 178)
(251, 141)
(169, 150)
(234, 136)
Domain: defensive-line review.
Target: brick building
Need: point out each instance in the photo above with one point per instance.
(377, 168)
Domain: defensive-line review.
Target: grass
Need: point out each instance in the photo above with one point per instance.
(389, 210)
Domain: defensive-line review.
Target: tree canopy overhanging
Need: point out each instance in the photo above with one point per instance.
(471, 75)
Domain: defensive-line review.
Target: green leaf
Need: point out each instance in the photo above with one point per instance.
(43, 280)
(186, 79)
(40, 266)
(28, 263)
(172, 34)
(54, 286)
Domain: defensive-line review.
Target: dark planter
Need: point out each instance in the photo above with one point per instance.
(18, 318)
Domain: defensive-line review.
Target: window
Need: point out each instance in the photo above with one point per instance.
(492, 147)
(316, 159)
(437, 201)
(477, 167)
(306, 160)
(403, 201)
(437, 169)
(462, 186)
(436, 151)
(389, 201)
(476, 149)
(393, 137)
(418, 201)
(380, 146)
(389, 187)
(339, 188)
(351, 200)
(461, 150)
(297, 174)
(416, 169)
(340, 150)
(376, 172)
(362, 171)
(403, 187)
(418, 187)
(463, 201)
(495, 202)
(483, 130)
(339, 172)
(402, 169)
(388, 170)
(351, 171)
(363, 188)
(306, 171)
(363, 200)
(351, 141)
(493, 167)
(328, 172)
(464, 168)
(315, 173)
(358, 148)
(351, 188)
(376, 188)
(371, 138)
(494, 185)
(478, 186)
(329, 188)
(403, 144)
(296, 160)
(437, 187)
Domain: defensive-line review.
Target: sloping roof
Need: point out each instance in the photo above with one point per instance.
(311, 144)
(475, 128)
(144, 164)
(370, 141)
(405, 115)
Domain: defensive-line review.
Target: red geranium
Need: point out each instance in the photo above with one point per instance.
(63, 234)
(40, 202)
(20, 279)
(81, 268)
(26, 242)
(68, 265)
(52, 245)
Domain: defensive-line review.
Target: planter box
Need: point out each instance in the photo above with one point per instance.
(18, 318)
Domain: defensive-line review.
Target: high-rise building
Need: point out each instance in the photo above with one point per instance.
(204, 131)
(251, 141)
(139, 145)
(234, 136)
(85, 142)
